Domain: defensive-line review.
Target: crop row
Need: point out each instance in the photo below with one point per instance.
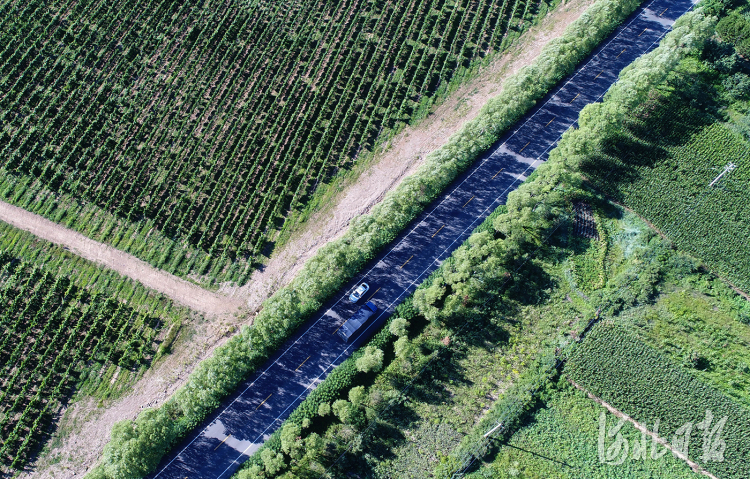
(55, 334)
(664, 165)
(619, 368)
(208, 122)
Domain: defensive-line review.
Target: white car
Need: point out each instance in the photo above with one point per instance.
(359, 292)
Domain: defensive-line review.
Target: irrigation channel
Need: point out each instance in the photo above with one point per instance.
(239, 427)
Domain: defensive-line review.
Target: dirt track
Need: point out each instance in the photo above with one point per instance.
(177, 289)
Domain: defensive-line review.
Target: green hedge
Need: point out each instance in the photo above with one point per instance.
(131, 454)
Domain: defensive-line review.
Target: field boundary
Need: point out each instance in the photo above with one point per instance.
(177, 289)
(676, 453)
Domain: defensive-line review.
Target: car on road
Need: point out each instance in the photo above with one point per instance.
(359, 292)
(351, 326)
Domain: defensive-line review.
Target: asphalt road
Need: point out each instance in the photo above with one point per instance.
(260, 405)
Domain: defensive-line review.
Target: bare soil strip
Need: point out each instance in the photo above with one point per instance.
(697, 468)
(177, 289)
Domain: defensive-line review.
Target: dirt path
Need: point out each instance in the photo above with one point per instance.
(697, 468)
(175, 288)
(85, 427)
(407, 150)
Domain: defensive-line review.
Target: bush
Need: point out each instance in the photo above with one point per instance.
(344, 410)
(716, 7)
(324, 409)
(401, 347)
(398, 327)
(734, 28)
(357, 395)
(371, 360)
(737, 86)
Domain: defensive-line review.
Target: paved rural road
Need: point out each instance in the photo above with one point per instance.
(260, 405)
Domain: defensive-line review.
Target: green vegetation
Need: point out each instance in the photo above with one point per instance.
(70, 329)
(663, 166)
(619, 368)
(20, 244)
(662, 150)
(561, 442)
(735, 29)
(699, 329)
(58, 338)
(656, 300)
(130, 454)
(647, 288)
(183, 132)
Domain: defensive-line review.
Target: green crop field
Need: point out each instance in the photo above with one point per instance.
(630, 375)
(561, 442)
(183, 132)
(68, 327)
(663, 165)
(55, 334)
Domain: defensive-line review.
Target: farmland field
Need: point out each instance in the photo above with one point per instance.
(663, 165)
(183, 133)
(68, 327)
(56, 334)
(561, 442)
(616, 366)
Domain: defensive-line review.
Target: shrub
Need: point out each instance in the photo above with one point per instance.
(324, 409)
(734, 28)
(399, 327)
(737, 86)
(357, 395)
(371, 360)
(401, 347)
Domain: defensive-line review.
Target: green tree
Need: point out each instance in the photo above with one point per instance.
(402, 347)
(357, 395)
(734, 28)
(137, 446)
(737, 86)
(399, 327)
(254, 471)
(344, 410)
(371, 360)
(273, 462)
(291, 441)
